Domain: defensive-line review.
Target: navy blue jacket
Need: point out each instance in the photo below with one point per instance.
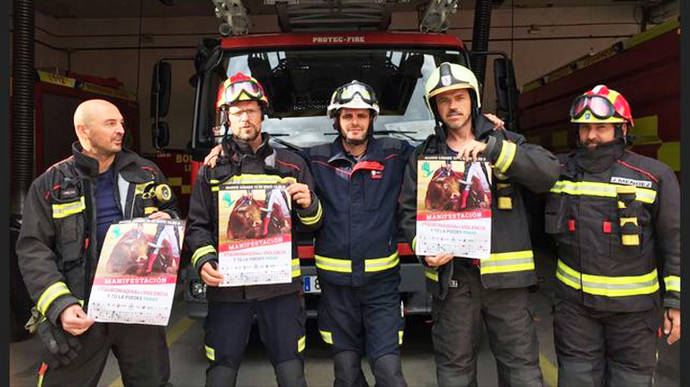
(356, 242)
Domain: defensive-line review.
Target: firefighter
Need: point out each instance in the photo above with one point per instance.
(279, 308)
(494, 291)
(359, 178)
(615, 216)
(66, 215)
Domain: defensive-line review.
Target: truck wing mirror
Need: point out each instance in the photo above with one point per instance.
(506, 91)
(160, 89)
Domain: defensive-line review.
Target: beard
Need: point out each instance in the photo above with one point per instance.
(248, 134)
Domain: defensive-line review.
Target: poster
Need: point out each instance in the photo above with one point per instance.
(137, 272)
(453, 207)
(255, 234)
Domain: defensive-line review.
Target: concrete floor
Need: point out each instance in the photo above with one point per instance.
(185, 338)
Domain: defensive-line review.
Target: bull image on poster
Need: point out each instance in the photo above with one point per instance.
(255, 234)
(453, 207)
(137, 272)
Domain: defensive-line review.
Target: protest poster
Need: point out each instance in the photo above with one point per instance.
(255, 233)
(453, 207)
(137, 272)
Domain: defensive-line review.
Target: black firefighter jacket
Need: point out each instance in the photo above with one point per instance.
(517, 165)
(56, 248)
(615, 216)
(239, 164)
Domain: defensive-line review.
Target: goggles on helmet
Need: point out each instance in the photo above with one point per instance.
(349, 92)
(599, 106)
(250, 89)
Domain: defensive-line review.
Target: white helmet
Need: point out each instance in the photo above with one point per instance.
(353, 95)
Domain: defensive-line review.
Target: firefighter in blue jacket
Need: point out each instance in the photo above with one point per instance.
(358, 179)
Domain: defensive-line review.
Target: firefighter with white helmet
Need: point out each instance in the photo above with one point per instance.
(359, 177)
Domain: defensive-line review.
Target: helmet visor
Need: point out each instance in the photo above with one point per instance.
(348, 93)
(599, 106)
(233, 92)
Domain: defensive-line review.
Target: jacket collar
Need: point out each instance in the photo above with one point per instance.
(374, 151)
(232, 146)
(89, 166)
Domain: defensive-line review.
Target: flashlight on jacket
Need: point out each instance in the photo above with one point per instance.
(154, 196)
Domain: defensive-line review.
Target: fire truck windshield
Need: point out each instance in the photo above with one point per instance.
(299, 84)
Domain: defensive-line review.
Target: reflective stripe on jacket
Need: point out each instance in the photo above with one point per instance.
(617, 231)
(356, 243)
(517, 166)
(56, 248)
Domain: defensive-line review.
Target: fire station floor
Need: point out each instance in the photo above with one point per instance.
(185, 338)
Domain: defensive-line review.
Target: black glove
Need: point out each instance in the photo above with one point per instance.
(62, 346)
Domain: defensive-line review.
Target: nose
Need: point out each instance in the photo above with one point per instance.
(120, 129)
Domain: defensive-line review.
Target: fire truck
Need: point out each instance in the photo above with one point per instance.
(644, 68)
(299, 68)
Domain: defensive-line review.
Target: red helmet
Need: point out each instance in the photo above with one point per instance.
(241, 87)
(602, 105)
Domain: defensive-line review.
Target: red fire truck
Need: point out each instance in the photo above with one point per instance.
(299, 71)
(644, 68)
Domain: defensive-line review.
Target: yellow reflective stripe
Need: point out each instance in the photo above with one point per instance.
(67, 209)
(301, 343)
(326, 336)
(215, 188)
(296, 271)
(309, 220)
(380, 264)
(50, 294)
(505, 158)
(608, 286)
(431, 273)
(672, 283)
(260, 179)
(414, 243)
(210, 353)
(400, 337)
(590, 188)
(508, 262)
(333, 264)
(201, 251)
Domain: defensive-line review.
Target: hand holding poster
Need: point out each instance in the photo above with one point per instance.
(137, 272)
(453, 207)
(255, 234)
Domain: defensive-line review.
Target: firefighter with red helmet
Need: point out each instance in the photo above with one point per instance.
(279, 308)
(468, 294)
(616, 219)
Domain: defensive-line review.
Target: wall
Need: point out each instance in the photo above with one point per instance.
(111, 47)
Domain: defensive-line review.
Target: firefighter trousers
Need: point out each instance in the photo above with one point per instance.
(363, 321)
(141, 352)
(281, 321)
(457, 328)
(599, 348)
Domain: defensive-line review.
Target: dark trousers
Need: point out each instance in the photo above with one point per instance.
(281, 322)
(457, 328)
(598, 348)
(141, 352)
(367, 319)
